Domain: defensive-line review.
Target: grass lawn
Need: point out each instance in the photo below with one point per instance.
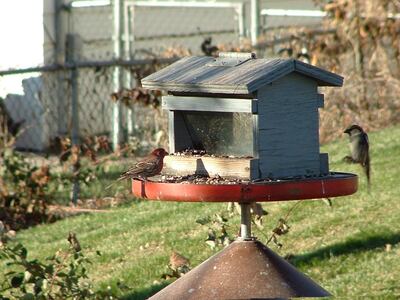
(351, 249)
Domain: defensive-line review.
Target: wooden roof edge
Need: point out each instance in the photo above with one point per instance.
(172, 66)
(326, 78)
(287, 67)
(194, 88)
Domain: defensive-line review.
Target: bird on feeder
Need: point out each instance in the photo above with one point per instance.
(150, 166)
(207, 48)
(359, 147)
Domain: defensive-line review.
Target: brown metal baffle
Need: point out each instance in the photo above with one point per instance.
(246, 269)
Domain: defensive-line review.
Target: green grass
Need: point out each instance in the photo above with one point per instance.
(344, 248)
(105, 175)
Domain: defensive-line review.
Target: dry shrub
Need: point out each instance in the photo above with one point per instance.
(380, 108)
(365, 50)
(359, 40)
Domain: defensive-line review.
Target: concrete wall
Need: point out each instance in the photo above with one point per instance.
(29, 110)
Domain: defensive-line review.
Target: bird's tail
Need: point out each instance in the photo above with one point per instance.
(367, 169)
(110, 185)
(119, 179)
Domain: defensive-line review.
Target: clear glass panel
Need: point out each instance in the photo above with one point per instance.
(221, 133)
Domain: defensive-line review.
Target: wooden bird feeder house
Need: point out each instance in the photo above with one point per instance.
(254, 118)
(256, 121)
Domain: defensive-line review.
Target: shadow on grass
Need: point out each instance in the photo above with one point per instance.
(145, 293)
(361, 242)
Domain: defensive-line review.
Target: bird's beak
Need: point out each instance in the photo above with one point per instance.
(347, 131)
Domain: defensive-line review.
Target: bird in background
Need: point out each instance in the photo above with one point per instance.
(150, 166)
(359, 148)
(177, 260)
(207, 48)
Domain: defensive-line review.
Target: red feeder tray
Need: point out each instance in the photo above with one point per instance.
(334, 185)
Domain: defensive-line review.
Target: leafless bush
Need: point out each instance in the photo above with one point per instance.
(359, 40)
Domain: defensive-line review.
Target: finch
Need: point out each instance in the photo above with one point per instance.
(177, 260)
(207, 48)
(359, 147)
(150, 166)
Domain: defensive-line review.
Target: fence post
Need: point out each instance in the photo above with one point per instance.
(255, 21)
(127, 56)
(73, 47)
(116, 114)
(242, 20)
(59, 58)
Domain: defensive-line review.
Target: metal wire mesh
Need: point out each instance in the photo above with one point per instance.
(162, 28)
(95, 26)
(86, 87)
(149, 30)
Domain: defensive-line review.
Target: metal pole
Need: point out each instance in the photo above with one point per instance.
(255, 21)
(241, 16)
(75, 134)
(59, 33)
(116, 112)
(127, 56)
(72, 51)
(59, 59)
(245, 221)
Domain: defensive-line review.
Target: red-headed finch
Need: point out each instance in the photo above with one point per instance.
(149, 166)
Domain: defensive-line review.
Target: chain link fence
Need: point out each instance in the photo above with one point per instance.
(92, 49)
(94, 54)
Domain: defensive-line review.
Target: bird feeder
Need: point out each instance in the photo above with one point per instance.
(255, 118)
(254, 121)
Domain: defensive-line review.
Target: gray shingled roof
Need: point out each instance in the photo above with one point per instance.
(198, 74)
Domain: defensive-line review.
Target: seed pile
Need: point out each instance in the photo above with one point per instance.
(203, 153)
(204, 179)
(200, 179)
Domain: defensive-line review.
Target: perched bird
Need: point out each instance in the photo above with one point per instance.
(73, 241)
(150, 166)
(207, 48)
(304, 56)
(286, 52)
(177, 260)
(359, 147)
